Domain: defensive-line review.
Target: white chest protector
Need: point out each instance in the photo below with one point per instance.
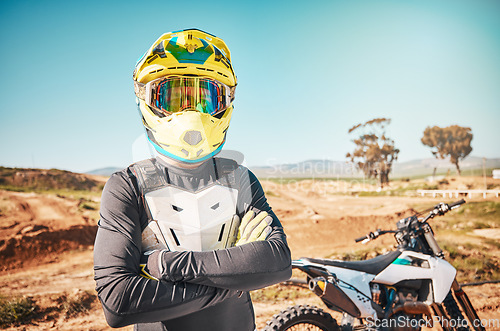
(181, 220)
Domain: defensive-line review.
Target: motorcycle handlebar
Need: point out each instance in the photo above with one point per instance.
(361, 239)
(439, 209)
(373, 235)
(456, 203)
(442, 209)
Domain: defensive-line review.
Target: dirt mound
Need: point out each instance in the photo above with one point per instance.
(41, 244)
(35, 227)
(41, 179)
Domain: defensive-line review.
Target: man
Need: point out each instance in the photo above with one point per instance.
(171, 252)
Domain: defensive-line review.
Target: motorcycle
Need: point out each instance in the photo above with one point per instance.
(406, 289)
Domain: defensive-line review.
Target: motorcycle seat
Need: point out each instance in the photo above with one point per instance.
(371, 266)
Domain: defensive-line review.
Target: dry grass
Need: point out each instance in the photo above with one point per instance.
(16, 311)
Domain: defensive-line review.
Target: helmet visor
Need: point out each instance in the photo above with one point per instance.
(178, 93)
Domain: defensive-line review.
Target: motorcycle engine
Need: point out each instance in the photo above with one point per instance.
(409, 292)
(402, 321)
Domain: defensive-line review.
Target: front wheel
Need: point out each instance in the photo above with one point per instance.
(302, 318)
(457, 320)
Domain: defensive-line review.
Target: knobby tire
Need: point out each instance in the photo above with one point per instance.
(301, 318)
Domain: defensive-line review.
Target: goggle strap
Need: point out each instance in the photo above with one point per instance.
(140, 90)
(143, 92)
(231, 92)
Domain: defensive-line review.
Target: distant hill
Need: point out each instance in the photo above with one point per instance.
(104, 171)
(329, 168)
(20, 179)
(426, 166)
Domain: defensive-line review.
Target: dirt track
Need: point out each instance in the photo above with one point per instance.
(37, 228)
(46, 245)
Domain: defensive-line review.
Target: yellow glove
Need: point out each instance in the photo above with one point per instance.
(254, 228)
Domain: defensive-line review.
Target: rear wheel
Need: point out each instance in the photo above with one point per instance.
(302, 318)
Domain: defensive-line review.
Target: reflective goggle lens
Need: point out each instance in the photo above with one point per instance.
(175, 94)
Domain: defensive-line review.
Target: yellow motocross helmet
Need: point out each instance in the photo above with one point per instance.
(185, 88)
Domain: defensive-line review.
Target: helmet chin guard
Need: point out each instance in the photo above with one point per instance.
(188, 136)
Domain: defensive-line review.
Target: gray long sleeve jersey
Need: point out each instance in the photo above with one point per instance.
(197, 290)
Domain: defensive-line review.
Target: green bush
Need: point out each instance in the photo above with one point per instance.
(16, 311)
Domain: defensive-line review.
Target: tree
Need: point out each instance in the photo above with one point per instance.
(375, 152)
(453, 141)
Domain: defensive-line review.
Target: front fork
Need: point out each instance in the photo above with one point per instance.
(429, 237)
(460, 295)
(466, 305)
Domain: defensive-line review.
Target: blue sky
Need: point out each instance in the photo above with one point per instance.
(307, 71)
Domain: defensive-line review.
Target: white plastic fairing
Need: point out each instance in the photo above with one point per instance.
(359, 280)
(443, 278)
(200, 221)
(438, 270)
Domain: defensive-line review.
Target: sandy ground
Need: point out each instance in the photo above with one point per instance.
(46, 246)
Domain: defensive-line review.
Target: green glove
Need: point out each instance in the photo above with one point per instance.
(254, 228)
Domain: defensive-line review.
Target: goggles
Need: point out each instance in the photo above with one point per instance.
(179, 93)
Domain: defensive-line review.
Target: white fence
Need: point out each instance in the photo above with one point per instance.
(457, 193)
